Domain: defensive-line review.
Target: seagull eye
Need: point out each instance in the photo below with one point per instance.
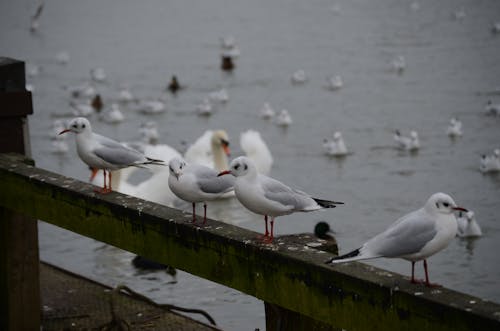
(83, 126)
(446, 204)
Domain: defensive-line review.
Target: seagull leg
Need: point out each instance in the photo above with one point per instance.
(413, 280)
(427, 283)
(109, 181)
(267, 231)
(194, 212)
(272, 230)
(204, 213)
(93, 173)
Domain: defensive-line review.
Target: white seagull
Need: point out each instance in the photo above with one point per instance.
(454, 130)
(266, 112)
(283, 119)
(398, 64)
(467, 225)
(414, 237)
(266, 196)
(410, 143)
(492, 108)
(299, 77)
(490, 163)
(336, 146)
(334, 83)
(196, 183)
(100, 152)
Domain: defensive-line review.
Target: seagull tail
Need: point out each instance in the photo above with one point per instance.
(327, 203)
(351, 256)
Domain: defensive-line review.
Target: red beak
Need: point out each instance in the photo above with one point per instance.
(225, 172)
(460, 209)
(64, 131)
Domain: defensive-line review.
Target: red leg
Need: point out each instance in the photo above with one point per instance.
(272, 230)
(93, 173)
(194, 212)
(267, 231)
(109, 181)
(413, 281)
(427, 283)
(204, 213)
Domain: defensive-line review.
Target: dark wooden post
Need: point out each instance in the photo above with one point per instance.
(19, 276)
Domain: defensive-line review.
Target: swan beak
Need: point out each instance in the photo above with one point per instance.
(225, 172)
(460, 209)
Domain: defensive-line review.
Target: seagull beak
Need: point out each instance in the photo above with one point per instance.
(460, 209)
(64, 131)
(225, 172)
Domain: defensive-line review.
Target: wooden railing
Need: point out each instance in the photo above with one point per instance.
(300, 291)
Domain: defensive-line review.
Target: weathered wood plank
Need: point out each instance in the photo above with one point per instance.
(353, 296)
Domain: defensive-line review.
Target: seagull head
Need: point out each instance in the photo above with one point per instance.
(78, 125)
(240, 166)
(442, 203)
(176, 166)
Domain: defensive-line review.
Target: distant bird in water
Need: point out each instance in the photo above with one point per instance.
(283, 119)
(467, 225)
(490, 163)
(336, 146)
(334, 83)
(98, 75)
(266, 112)
(492, 108)
(124, 95)
(97, 103)
(299, 77)
(219, 96)
(410, 143)
(227, 63)
(454, 130)
(414, 237)
(113, 115)
(81, 109)
(398, 64)
(174, 86)
(62, 57)
(141, 263)
(204, 108)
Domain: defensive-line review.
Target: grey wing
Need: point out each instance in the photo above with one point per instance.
(279, 192)
(406, 236)
(120, 156)
(208, 181)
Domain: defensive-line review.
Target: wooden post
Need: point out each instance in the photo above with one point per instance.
(19, 261)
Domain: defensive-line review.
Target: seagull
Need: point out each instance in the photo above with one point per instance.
(334, 83)
(62, 57)
(151, 107)
(399, 64)
(455, 128)
(414, 237)
(100, 152)
(410, 143)
(492, 108)
(204, 108)
(98, 74)
(467, 225)
(266, 196)
(196, 183)
(35, 19)
(267, 112)
(490, 163)
(283, 119)
(495, 28)
(335, 147)
(113, 115)
(299, 77)
(124, 95)
(219, 96)
(81, 109)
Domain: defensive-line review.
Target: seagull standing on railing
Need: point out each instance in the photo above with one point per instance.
(196, 183)
(414, 237)
(266, 196)
(100, 152)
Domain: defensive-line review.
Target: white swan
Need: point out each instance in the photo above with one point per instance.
(211, 150)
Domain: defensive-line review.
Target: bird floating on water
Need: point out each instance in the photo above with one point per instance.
(467, 225)
(283, 119)
(267, 112)
(410, 143)
(336, 146)
(299, 77)
(490, 163)
(492, 108)
(454, 130)
(414, 237)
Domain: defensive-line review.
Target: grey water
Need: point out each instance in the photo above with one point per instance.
(453, 69)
